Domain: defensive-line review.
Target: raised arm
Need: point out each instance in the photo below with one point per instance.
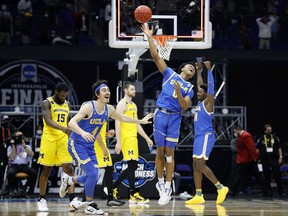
(199, 74)
(209, 101)
(160, 63)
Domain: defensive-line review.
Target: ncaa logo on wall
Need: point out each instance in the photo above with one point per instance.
(29, 82)
(145, 172)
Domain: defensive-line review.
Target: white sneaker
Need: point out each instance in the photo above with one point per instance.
(160, 188)
(42, 205)
(76, 204)
(185, 196)
(93, 209)
(64, 185)
(165, 196)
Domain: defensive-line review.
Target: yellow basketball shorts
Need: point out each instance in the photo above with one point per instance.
(54, 153)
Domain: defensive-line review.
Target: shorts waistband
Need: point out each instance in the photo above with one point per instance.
(167, 111)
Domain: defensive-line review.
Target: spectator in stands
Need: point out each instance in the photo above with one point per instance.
(67, 20)
(271, 157)
(6, 26)
(24, 7)
(19, 155)
(247, 158)
(82, 26)
(265, 23)
(4, 140)
(43, 29)
(25, 11)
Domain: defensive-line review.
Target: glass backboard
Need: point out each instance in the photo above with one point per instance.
(186, 19)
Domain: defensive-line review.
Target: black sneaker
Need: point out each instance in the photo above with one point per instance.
(115, 202)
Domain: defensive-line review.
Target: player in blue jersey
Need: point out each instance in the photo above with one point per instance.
(175, 96)
(85, 126)
(204, 138)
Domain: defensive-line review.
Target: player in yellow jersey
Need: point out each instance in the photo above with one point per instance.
(54, 141)
(126, 134)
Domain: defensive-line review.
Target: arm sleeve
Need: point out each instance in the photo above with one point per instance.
(210, 83)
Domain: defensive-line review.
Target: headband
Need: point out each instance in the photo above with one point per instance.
(100, 86)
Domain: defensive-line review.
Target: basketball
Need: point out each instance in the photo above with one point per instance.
(142, 14)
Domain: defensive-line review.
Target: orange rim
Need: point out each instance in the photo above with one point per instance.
(162, 39)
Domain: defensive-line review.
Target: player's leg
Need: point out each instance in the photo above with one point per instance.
(108, 179)
(47, 160)
(64, 159)
(172, 135)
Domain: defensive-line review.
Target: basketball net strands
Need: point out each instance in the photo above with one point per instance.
(164, 44)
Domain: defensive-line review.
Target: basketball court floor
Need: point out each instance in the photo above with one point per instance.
(232, 206)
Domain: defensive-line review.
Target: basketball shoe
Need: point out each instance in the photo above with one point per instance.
(196, 200)
(160, 188)
(222, 195)
(165, 196)
(64, 184)
(93, 209)
(137, 199)
(42, 205)
(76, 204)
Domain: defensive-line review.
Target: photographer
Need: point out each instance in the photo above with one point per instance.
(19, 155)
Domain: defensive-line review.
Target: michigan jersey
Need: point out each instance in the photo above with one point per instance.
(129, 129)
(60, 115)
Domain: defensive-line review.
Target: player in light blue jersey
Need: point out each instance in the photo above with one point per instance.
(204, 138)
(176, 95)
(85, 126)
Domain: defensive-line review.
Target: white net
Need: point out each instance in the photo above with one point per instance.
(164, 44)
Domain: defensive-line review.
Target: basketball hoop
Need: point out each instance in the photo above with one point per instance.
(164, 44)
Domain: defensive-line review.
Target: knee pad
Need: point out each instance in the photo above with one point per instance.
(169, 159)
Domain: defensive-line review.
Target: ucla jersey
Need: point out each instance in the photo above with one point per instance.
(60, 115)
(202, 120)
(168, 98)
(91, 125)
(129, 129)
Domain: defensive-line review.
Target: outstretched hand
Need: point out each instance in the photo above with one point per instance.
(145, 28)
(145, 120)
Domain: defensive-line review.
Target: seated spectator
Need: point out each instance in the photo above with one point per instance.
(19, 155)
